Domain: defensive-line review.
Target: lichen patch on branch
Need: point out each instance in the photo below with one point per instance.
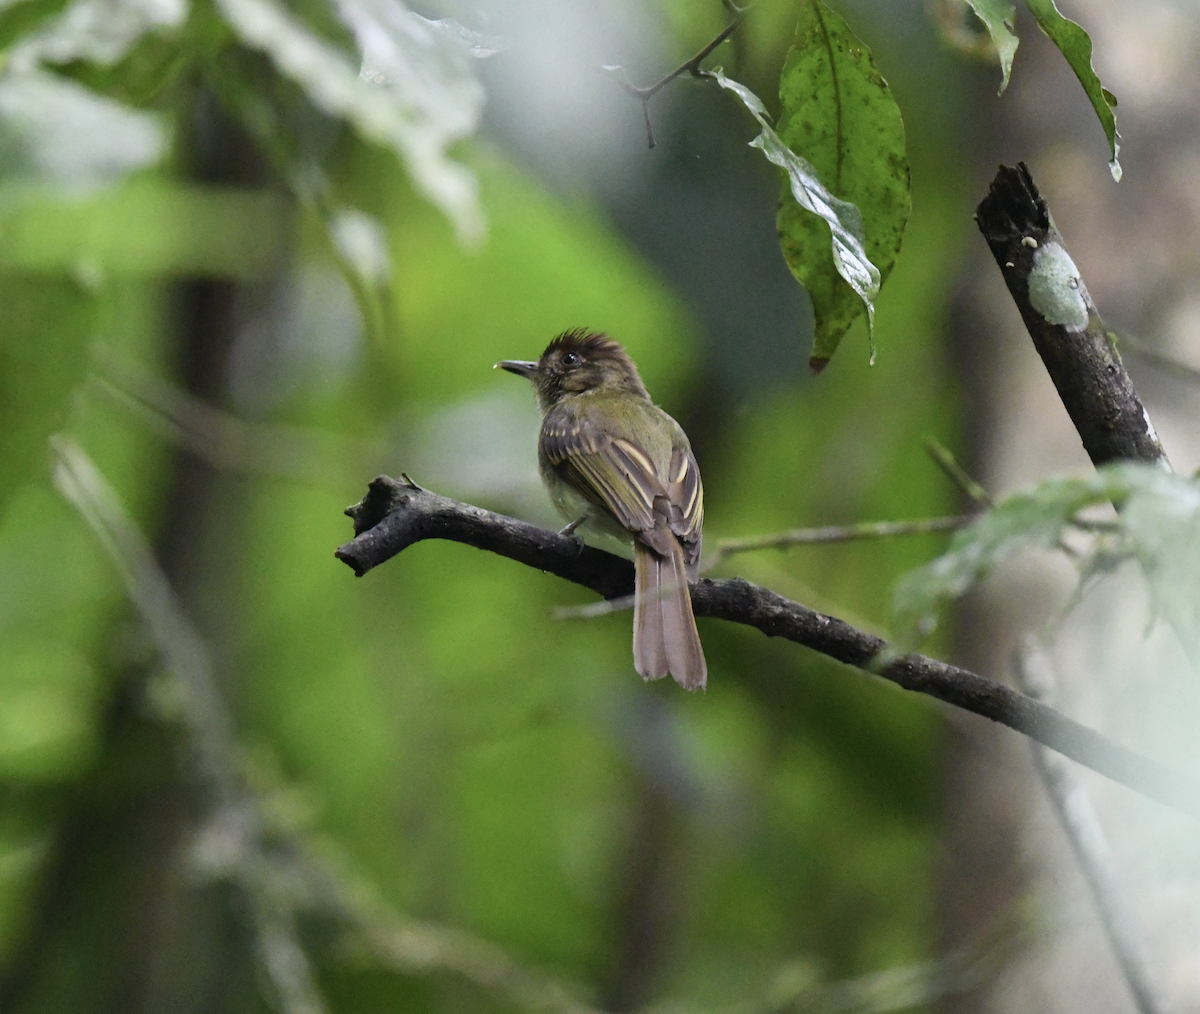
(1055, 288)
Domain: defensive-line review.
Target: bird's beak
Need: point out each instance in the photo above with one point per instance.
(521, 367)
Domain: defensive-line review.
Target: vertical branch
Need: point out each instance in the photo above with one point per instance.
(203, 715)
(1078, 818)
(1063, 322)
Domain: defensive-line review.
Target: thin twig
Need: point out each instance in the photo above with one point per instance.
(226, 441)
(417, 948)
(956, 473)
(606, 606)
(907, 987)
(692, 66)
(286, 963)
(779, 540)
(394, 515)
(836, 533)
(414, 947)
(184, 652)
(1166, 363)
(962, 479)
(1073, 805)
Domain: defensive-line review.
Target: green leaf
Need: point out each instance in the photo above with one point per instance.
(1000, 18)
(21, 17)
(843, 221)
(1028, 520)
(839, 114)
(1075, 44)
(1159, 524)
(413, 96)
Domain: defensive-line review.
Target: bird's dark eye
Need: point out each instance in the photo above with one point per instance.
(571, 359)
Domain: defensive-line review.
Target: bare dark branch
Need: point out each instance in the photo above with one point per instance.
(1063, 322)
(395, 514)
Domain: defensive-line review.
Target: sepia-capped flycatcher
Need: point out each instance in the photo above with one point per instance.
(614, 460)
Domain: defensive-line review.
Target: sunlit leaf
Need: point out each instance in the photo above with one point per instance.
(839, 114)
(1000, 18)
(420, 62)
(1075, 44)
(843, 222)
(97, 31)
(1158, 523)
(55, 129)
(361, 251)
(412, 95)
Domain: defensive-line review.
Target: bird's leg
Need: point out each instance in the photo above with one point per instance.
(570, 529)
(569, 532)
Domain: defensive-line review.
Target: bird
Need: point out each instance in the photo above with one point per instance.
(617, 464)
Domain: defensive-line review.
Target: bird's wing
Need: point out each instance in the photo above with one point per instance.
(616, 473)
(685, 495)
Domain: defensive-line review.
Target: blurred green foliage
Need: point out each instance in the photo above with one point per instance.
(429, 725)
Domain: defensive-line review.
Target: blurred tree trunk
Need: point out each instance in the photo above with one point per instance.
(120, 922)
(188, 951)
(1137, 246)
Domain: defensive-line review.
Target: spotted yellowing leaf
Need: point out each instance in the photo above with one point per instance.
(839, 115)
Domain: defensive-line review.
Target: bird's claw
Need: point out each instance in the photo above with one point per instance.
(569, 532)
(570, 529)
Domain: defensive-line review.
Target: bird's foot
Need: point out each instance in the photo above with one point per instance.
(570, 529)
(569, 532)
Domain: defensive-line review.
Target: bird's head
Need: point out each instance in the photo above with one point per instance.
(578, 361)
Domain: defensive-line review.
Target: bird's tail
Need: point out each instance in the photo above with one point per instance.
(664, 630)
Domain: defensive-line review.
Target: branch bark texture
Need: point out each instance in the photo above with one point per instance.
(396, 513)
(1063, 322)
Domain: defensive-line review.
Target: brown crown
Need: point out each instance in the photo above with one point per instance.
(589, 344)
